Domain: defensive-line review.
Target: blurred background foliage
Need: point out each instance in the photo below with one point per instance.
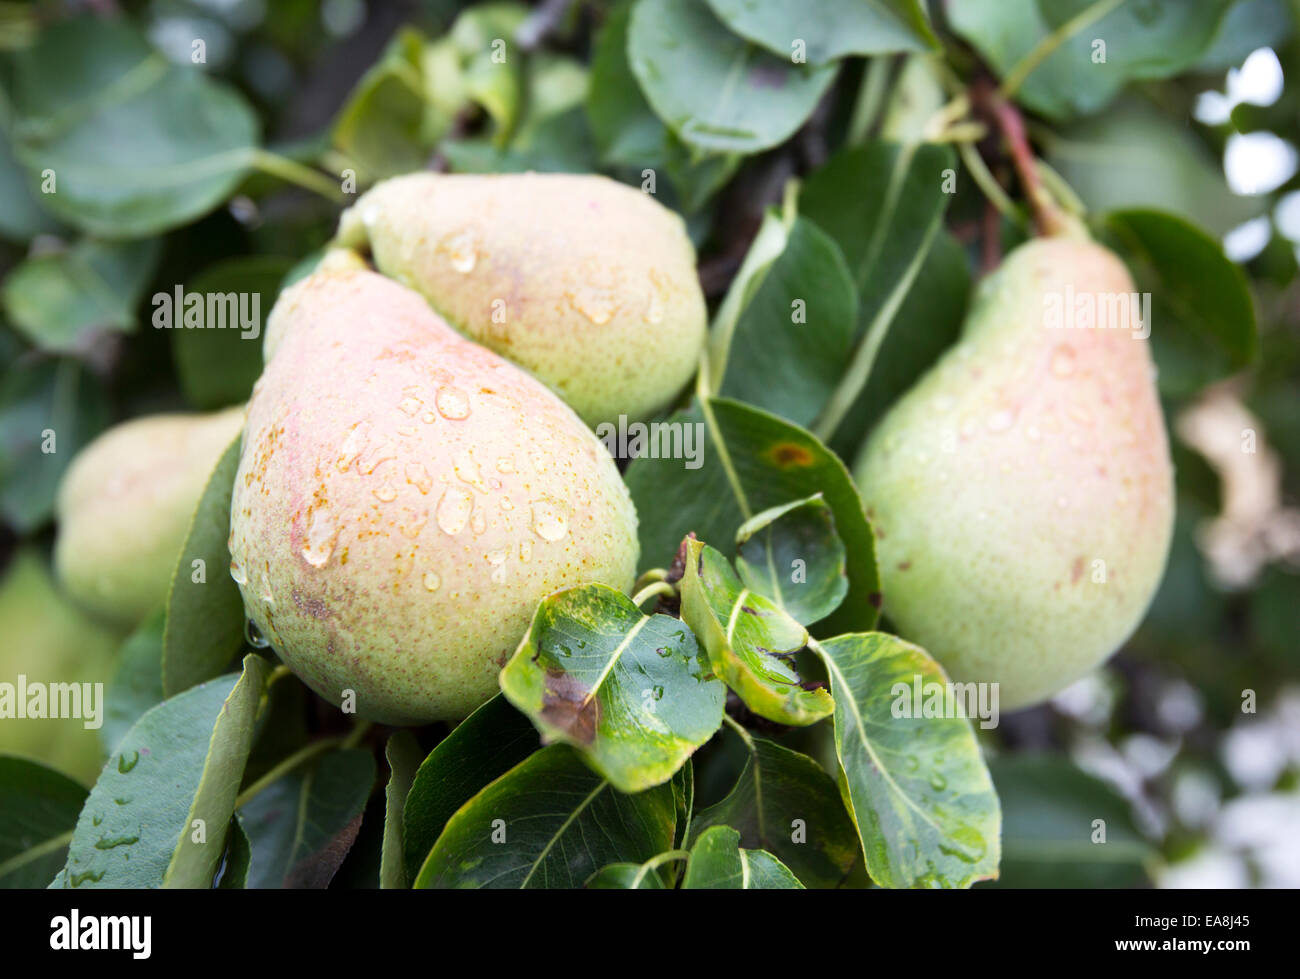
(218, 167)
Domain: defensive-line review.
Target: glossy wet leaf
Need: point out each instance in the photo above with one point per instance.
(792, 555)
(205, 618)
(218, 367)
(482, 748)
(715, 90)
(182, 762)
(549, 822)
(785, 331)
(773, 462)
(136, 143)
(916, 787)
(39, 397)
(38, 809)
(1050, 835)
(632, 693)
(829, 28)
(718, 862)
(136, 684)
(1202, 316)
(752, 644)
(302, 825)
(59, 300)
(403, 756)
(785, 803)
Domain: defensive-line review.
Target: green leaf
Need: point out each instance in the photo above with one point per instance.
(628, 133)
(181, 763)
(493, 74)
(792, 555)
(136, 144)
(752, 462)
(1202, 319)
(38, 810)
(1135, 156)
(205, 618)
(627, 877)
(718, 862)
(550, 822)
(829, 28)
(632, 693)
(751, 642)
(389, 125)
(482, 748)
(884, 205)
(915, 786)
(928, 323)
(1249, 24)
(218, 367)
(785, 803)
(787, 326)
(403, 755)
(1152, 39)
(39, 397)
(683, 784)
(1050, 833)
(713, 89)
(60, 299)
(22, 215)
(136, 685)
(301, 826)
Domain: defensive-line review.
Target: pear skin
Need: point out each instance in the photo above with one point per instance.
(124, 508)
(588, 284)
(405, 498)
(1022, 491)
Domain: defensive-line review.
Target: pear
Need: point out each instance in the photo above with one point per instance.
(405, 498)
(1021, 492)
(124, 509)
(48, 639)
(588, 284)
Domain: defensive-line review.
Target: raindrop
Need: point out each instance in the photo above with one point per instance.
(253, 635)
(320, 538)
(452, 403)
(431, 581)
(386, 493)
(454, 510)
(548, 522)
(237, 572)
(462, 251)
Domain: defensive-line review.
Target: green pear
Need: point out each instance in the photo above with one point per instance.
(49, 640)
(405, 498)
(124, 508)
(588, 284)
(1022, 492)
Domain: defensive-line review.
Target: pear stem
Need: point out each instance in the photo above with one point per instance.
(653, 589)
(1048, 215)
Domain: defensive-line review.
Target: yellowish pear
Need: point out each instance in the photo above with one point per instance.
(588, 284)
(124, 508)
(405, 498)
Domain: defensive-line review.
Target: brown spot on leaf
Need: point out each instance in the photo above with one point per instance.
(787, 455)
(875, 598)
(904, 565)
(570, 706)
